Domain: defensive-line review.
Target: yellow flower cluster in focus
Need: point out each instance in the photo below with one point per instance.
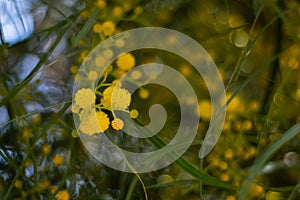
(116, 98)
(92, 118)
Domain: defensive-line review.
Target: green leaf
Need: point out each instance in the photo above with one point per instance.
(86, 28)
(189, 167)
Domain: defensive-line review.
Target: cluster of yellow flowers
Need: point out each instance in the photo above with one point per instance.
(116, 98)
(94, 117)
(113, 98)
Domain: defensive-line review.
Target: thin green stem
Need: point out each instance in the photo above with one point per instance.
(131, 187)
(200, 182)
(294, 193)
(235, 74)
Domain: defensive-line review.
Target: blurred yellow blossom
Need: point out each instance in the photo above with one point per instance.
(81, 43)
(100, 61)
(117, 11)
(93, 75)
(108, 28)
(205, 110)
(247, 125)
(223, 165)
(44, 184)
(230, 197)
(134, 114)
(74, 69)
(74, 134)
(228, 154)
(18, 184)
(256, 190)
(101, 4)
(82, 57)
(58, 160)
(84, 14)
(274, 195)
(143, 93)
(225, 177)
(53, 189)
(36, 119)
(97, 28)
(185, 70)
(126, 61)
(117, 124)
(138, 10)
(85, 98)
(120, 43)
(108, 53)
(116, 98)
(136, 75)
(127, 6)
(26, 132)
(46, 148)
(237, 106)
(63, 195)
(215, 162)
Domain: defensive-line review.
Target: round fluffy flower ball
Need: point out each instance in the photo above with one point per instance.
(116, 98)
(134, 114)
(126, 62)
(117, 124)
(85, 98)
(108, 28)
(63, 195)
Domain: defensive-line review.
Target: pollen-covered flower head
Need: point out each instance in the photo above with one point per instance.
(116, 98)
(85, 98)
(89, 123)
(134, 114)
(117, 124)
(93, 122)
(108, 28)
(103, 120)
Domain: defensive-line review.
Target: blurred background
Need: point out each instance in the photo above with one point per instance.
(256, 47)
